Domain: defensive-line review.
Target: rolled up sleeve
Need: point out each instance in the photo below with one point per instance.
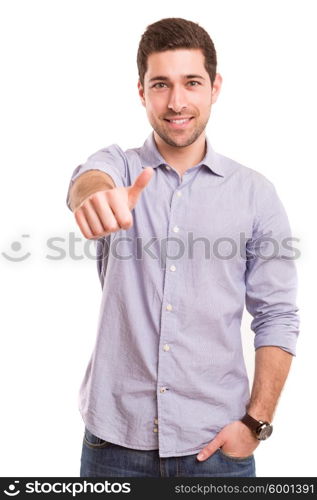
(271, 275)
(110, 160)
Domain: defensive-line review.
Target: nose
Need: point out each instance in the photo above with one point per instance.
(177, 100)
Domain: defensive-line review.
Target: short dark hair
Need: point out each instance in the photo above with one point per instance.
(176, 33)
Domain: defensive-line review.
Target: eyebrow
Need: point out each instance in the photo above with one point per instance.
(165, 78)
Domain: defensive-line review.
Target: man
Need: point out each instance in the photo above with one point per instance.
(184, 237)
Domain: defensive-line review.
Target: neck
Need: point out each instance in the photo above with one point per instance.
(182, 158)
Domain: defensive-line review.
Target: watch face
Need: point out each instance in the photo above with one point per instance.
(264, 431)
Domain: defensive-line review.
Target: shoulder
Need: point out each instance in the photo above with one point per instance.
(245, 175)
(113, 151)
(117, 153)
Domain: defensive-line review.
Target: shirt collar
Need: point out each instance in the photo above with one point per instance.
(151, 157)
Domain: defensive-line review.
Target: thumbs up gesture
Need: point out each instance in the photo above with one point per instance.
(109, 210)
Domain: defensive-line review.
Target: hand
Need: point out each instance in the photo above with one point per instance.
(108, 211)
(235, 439)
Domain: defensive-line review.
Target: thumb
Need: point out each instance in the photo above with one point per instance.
(135, 190)
(211, 447)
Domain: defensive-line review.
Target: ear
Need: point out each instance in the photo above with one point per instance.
(141, 93)
(216, 88)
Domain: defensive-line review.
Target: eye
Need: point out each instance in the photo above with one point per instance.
(159, 83)
(194, 81)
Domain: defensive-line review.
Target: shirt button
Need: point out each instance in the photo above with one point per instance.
(155, 429)
(178, 193)
(175, 229)
(163, 389)
(156, 421)
(173, 268)
(167, 167)
(169, 307)
(166, 347)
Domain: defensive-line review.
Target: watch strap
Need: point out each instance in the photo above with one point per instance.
(251, 422)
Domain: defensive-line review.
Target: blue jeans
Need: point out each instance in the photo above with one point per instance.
(104, 459)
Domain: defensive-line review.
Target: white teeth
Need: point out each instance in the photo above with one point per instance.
(180, 121)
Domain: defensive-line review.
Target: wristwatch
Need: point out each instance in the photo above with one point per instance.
(260, 428)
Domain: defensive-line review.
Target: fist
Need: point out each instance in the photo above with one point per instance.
(108, 211)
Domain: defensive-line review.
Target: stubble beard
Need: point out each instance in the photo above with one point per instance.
(179, 142)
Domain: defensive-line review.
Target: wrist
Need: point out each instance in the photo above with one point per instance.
(259, 413)
(261, 429)
(87, 184)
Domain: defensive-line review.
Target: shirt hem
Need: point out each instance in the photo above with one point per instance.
(94, 430)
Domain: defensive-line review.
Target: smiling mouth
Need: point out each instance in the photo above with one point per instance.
(178, 122)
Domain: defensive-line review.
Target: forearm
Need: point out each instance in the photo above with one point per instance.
(88, 183)
(272, 365)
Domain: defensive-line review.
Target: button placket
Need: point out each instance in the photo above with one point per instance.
(168, 321)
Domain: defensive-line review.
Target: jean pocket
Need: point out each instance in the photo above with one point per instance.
(235, 459)
(93, 441)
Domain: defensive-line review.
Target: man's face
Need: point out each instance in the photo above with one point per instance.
(177, 86)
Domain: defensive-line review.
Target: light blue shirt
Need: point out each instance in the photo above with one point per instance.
(167, 371)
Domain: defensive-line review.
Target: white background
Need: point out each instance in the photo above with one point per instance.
(69, 88)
